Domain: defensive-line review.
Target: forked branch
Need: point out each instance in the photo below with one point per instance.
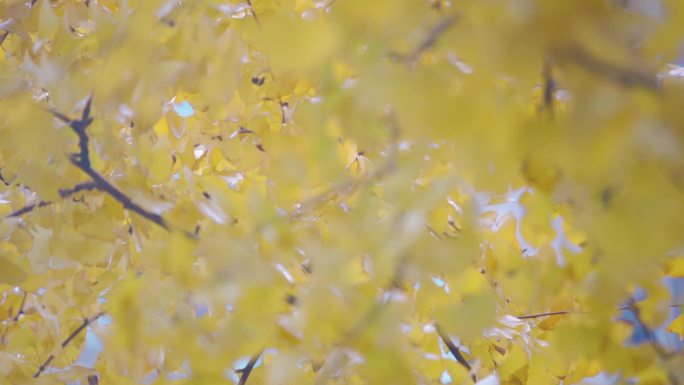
(82, 161)
(247, 370)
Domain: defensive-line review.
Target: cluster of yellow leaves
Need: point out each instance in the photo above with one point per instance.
(339, 180)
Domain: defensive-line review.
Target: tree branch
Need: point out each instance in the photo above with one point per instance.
(27, 209)
(2, 177)
(629, 77)
(251, 10)
(549, 88)
(21, 307)
(64, 193)
(453, 349)
(531, 316)
(247, 370)
(82, 161)
(427, 43)
(74, 334)
(3, 37)
(650, 337)
(564, 312)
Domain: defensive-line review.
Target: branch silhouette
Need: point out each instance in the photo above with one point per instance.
(66, 342)
(623, 76)
(64, 193)
(454, 350)
(82, 161)
(437, 30)
(247, 370)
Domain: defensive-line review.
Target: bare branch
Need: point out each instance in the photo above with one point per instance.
(65, 343)
(549, 88)
(82, 161)
(437, 30)
(122, 198)
(86, 186)
(628, 77)
(251, 10)
(3, 37)
(3, 180)
(454, 350)
(565, 312)
(64, 193)
(21, 307)
(27, 209)
(247, 370)
(650, 337)
(532, 316)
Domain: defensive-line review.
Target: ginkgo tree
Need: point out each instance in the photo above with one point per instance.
(340, 191)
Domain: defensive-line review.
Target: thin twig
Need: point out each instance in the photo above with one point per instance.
(27, 209)
(347, 187)
(3, 180)
(437, 30)
(650, 337)
(21, 307)
(64, 193)
(662, 354)
(549, 87)
(532, 316)
(629, 77)
(86, 186)
(453, 349)
(565, 312)
(74, 334)
(247, 370)
(251, 10)
(3, 37)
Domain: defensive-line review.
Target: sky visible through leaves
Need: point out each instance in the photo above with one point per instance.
(281, 192)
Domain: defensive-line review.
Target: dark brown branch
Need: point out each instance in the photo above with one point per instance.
(64, 193)
(247, 370)
(662, 354)
(251, 10)
(3, 37)
(532, 316)
(565, 312)
(115, 193)
(86, 186)
(2, 177)
(82, 161)
(549, 89)
(65, 343)
(21, 308)
(27, 209)
(628, 77)
(453, 349)
(429, 41)
(650, 337)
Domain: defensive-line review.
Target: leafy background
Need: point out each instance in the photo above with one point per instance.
(341, 191)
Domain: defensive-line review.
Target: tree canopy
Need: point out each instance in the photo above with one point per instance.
(341, 192)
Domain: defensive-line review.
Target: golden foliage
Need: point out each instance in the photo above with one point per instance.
(322, 191)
